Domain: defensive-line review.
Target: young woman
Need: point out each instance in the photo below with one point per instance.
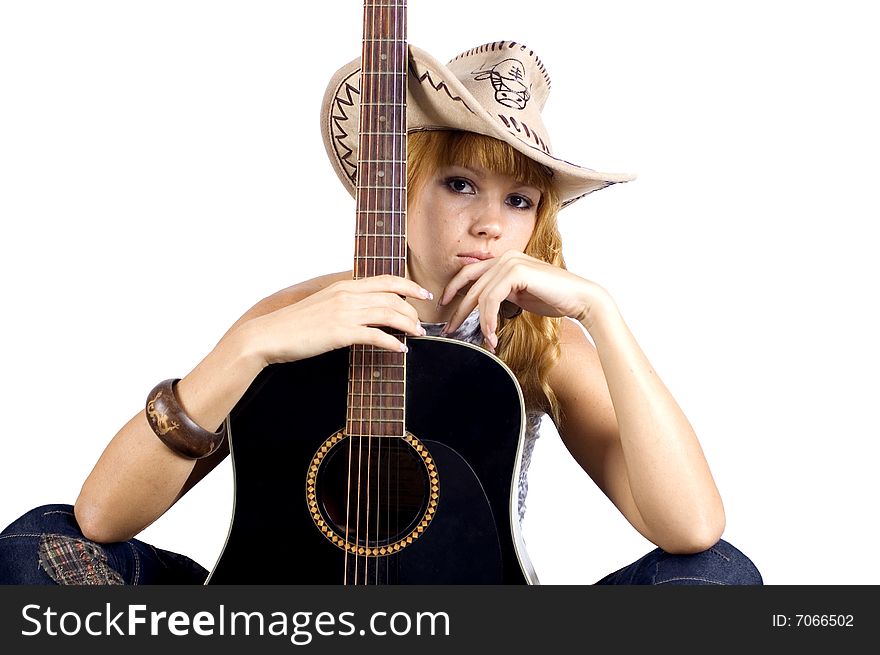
(484, 265)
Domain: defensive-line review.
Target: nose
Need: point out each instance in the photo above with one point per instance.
(488, 222)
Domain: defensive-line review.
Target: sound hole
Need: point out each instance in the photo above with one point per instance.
(372, 491)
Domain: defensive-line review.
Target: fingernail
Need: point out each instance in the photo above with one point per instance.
(427, 295)
(422, 331)
(404, 348)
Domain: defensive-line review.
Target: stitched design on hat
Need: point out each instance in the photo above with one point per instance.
(498, 45)
(437, 86)
(508, 80)
(343, 102)
(511, 124)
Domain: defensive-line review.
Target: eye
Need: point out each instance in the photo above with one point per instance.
(460, 185)
(519, 202)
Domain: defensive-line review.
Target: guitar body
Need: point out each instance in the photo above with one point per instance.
(460, 470)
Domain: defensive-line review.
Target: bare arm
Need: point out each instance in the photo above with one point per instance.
(628, 433)
(620, 422)
(137, 478)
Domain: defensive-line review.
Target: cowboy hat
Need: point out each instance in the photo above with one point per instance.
(497, 89)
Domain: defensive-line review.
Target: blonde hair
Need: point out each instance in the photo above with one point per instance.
(529, 344)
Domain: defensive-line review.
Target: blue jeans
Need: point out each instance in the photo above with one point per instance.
(722, 564)
(46, 546)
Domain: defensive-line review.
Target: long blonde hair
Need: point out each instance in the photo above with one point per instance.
(528, 344)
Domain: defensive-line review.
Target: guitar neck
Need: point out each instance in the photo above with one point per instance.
(377, 378)
(380, 240)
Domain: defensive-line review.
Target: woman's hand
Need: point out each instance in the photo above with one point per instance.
(530, 283)
(342, 314)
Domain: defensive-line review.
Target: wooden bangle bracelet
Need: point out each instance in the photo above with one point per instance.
(174, 426)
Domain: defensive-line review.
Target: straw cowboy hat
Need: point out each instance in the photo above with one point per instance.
(497, 89)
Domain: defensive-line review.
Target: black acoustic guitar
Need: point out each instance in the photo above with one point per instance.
(364, 466)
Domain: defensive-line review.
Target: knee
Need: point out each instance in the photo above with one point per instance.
(721, 564)
(46, 546)
(45, 518)
(742, 570)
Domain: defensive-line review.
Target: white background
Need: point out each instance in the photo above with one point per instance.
(161, 170)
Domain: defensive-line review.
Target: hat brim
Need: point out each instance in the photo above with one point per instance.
(437, 100)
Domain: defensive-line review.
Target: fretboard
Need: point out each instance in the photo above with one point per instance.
(380, 240)
(377, 380)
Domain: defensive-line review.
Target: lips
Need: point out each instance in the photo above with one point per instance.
(476, 256)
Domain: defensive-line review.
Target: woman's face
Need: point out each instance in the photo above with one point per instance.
(464, 214)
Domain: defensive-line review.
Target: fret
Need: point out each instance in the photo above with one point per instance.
(399, 195)
(375, 414)
(372, 268)
(379, 72)
(379, 259)
(380, 147)
(376, 354)
(383, 104)
(376, 221)
(380, 364)
(383, 91)
(384, 40)
(372, 240)
(389, 426)
(380, 241)
(363, 248)
(396, 212)
(384, 415)
(387, 432)
(381, 196)
(393, 121)
(376, 420)
(389, 374)
(367, 375)
(384, 408)
(362, 361)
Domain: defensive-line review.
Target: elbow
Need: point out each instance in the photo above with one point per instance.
(94, 524)
(699, 535)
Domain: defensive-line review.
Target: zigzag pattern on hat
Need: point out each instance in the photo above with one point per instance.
(338, 117)
(437, 86)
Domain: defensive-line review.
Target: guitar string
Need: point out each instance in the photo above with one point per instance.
(386, 204)
(380, 205)
(355, 349)
(399, 174)
(391, 126)
(363, 264)
(373, 203)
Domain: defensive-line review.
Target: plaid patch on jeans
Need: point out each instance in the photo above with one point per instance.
(71, 561)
